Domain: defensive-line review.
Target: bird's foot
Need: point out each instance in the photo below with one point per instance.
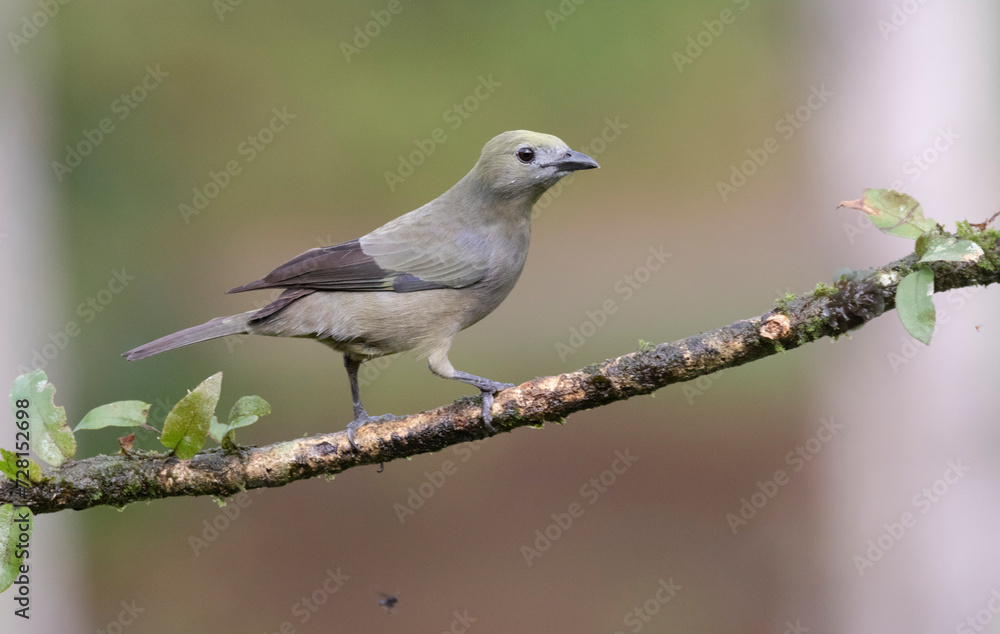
(361, 420)
(489, 392)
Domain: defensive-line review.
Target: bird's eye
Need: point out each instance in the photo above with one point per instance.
(526, 154)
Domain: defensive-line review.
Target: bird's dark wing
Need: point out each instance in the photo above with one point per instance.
(342, 267)
(384, 261)
(279, 304)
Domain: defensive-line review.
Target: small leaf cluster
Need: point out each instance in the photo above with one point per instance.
(186, 428)
(899, 214)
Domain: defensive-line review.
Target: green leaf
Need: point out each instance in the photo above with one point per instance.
(187, 424)
(13, 522)
(893, 212)
(9, 467)
(246, 411)
(118, 414)
(937, 247)
(8, 464)
(217, 430)
(51, 438)
(913, 301)
(35, 472)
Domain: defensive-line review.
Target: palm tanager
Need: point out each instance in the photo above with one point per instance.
(418, 280)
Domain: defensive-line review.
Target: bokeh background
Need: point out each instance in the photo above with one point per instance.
(668, 97)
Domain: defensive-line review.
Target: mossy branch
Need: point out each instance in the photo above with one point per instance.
(796, 320)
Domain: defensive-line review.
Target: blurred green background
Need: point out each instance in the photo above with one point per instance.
(672, 129)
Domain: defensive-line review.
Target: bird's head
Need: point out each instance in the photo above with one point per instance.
(521, 164)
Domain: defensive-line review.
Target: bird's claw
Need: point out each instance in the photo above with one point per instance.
(352, 427)
(487, 415)
(359, 421)
(488, 397)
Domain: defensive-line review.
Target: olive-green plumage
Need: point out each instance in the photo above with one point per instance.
(418, 280)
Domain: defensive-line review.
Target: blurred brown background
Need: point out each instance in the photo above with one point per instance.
(668, 97)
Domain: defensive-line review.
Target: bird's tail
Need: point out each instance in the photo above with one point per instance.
(218, 327)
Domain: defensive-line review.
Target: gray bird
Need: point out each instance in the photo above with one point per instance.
(418, 280)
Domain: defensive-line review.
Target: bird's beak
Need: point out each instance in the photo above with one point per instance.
(573, 161)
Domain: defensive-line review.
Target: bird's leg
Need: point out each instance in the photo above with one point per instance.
(441, 366)
(360, 415)
(488, 388)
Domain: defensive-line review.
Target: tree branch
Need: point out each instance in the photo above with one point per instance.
(135, 476)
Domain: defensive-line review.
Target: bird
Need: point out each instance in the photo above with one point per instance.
(414, 283)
